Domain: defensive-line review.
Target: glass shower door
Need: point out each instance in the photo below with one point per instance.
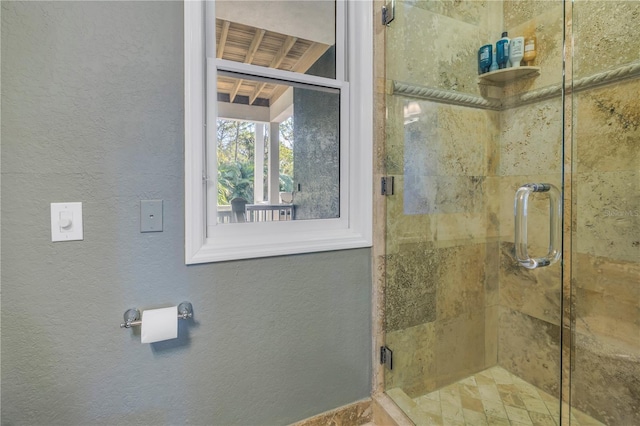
(605, 246)
(475, 336)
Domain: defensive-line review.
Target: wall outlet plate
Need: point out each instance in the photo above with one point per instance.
(150, 215)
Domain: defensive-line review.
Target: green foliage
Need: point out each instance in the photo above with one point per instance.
(235, 180)
(236, 148)
(286, 155)
(236, 152)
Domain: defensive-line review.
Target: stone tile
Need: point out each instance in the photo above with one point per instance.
(469, 391)
(535, 405)
(491, 335)
(429, 405)
(542, 419)
(445, 63)
(605, 382)
(534, 292)
(452, 412)
(355, 414)
(513, 399)
(494, 409)
(608, 214)
(411, 287)
(518, 415)
(469, 12)
(403, 229)
(460, 286)
(608, 128)
(501, 376)
(473, 404)
(498, 421)
(459, 347)
(489, 392)
(530, 348)
(472, 417)
(413, 359)
(531, 139)
(606, 34)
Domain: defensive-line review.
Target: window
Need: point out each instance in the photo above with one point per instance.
(278, 127)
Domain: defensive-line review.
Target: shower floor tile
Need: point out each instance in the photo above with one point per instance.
(491, 397)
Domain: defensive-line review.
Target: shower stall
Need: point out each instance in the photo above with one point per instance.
(511, 266)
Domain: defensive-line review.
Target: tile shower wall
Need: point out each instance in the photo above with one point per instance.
(606, 242)
(454, 294)
(442, 241)
(606, 268)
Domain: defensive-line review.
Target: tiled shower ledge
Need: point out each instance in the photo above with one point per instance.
(492, 397)
(457, 98)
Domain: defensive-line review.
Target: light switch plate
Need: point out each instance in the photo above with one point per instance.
(66, 222)
(150, 215)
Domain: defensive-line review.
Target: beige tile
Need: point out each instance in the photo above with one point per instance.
(512, 400)
(606, 35)
(494, 409)
(459, 346)
(608, 128)
(489, 392)
(535, 405)
(608, 214)
(452, 411)
(472, 417)
(498, 421)
(413, 358)
(429, 405)
(501, 376)
(542, 419)
(531, 140)
(518, 415)
(445, 63)
(469, 390)
(472, 404)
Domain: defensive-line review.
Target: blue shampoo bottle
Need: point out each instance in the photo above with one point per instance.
(485, 57)
(502, 51)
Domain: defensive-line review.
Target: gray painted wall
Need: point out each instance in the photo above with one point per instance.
(92, 112)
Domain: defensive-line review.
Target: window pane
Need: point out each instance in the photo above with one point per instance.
(279, 156)
(294, 36)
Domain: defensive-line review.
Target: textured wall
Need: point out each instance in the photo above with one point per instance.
(316, 150)
(92, 111)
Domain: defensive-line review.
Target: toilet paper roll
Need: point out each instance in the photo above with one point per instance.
(159, 324)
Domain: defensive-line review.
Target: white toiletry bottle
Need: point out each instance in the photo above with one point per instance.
(516, 51)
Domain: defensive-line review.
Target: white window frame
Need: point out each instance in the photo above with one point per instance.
(262, 239)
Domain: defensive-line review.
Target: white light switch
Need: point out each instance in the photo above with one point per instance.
(66, 222)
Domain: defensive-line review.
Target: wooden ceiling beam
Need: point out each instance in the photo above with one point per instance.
(255, 43)
(275, 63)
(223, 38)
(304, 63)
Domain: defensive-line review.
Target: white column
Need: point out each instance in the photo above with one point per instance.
(274, 163)
(258, 164)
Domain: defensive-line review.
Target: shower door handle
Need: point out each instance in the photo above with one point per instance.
(520, 210)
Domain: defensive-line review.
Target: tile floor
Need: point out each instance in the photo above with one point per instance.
(491, 397)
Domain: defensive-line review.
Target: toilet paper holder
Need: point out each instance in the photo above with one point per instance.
(132, 316)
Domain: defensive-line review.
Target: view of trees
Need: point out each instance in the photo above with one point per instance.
(236, 152)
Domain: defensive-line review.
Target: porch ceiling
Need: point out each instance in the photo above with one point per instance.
(242, 43)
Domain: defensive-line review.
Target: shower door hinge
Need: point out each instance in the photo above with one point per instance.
(386, 185)
(386, 357)
(388, 12)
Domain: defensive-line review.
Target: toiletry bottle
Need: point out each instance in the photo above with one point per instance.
(529, 49)
(494, 64)
(502, 51)
(516, 51)
(485, 57)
